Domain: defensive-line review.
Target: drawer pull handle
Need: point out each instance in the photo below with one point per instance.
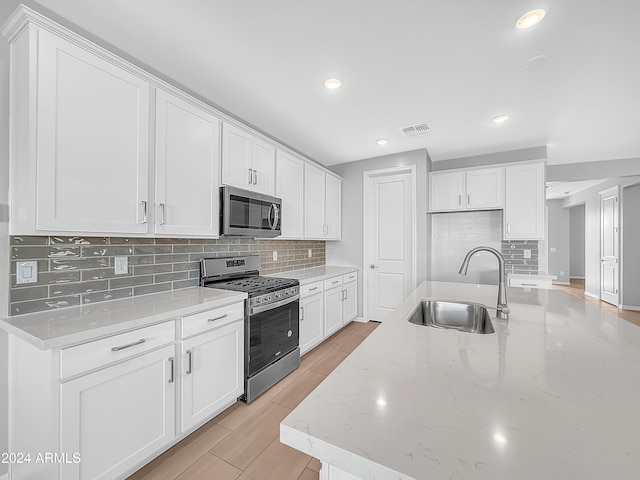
(172, 363)
(337, 281)
(122, 347)
(529, 285)
(189, 362)
(217, 318)
(312, 289)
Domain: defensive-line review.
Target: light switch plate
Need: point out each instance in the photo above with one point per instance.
(527, 253)
(275, 256)
(26, 272)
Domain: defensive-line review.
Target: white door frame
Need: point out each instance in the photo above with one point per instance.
(610, 191)
(411, 169)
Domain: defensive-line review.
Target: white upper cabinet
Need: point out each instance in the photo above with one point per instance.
(524, 202)
(80, 138)
(247, 162)
(187, 164)
(314, 202)
(289, 188)
(322, 204)
(485, 188)
(333, 207)
(446, 191)
(474, 189)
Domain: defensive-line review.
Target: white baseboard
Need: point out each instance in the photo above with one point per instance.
(623, 307)
(576, 278)
(357, 319)
(592, 295)
(561, 283)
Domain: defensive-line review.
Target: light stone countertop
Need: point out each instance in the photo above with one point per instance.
(554, 393)
(315, 274)
(64, 327)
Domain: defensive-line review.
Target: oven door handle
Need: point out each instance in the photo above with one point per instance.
(271, 306)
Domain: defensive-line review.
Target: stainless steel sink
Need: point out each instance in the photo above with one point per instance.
(463, 316)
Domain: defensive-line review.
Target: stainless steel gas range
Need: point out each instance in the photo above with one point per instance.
(271, 318)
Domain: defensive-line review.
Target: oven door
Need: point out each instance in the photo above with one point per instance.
(246, 213)
(273, 331)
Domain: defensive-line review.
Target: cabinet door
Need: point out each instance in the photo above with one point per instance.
(213, 373)
(332, 310)
(236, 157)
(263, 162)
(524, 202)
(311, 322)
(289, 188)
(350, 302)
(117, 417)
(333, 206)
(314, 201)
(92, 142)
(485, 188)
(446, 191)
(187, 163)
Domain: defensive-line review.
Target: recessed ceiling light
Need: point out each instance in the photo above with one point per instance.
(382, 141)
(500, 119)
(332, 83)
(531, 18)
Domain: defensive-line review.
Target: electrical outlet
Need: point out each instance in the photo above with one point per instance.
(553, 250)
(275, 256)
(122, 265)
(26, 272)
(527, 254)
(310, 254)
(562, 273)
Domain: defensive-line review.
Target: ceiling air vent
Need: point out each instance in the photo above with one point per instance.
(417, 129)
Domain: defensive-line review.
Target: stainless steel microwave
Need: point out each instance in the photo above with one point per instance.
(248, 214)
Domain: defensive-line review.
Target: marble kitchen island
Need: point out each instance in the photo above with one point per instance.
(554, 393)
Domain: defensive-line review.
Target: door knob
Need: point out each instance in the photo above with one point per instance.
(374, 266)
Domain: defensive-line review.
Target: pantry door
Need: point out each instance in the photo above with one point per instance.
(390, 239)
(609, 246)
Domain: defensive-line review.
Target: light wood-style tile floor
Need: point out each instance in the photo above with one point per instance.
(243, 441)
(576, 288)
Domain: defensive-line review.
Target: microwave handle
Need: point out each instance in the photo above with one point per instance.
(276, 218)
(269, 215)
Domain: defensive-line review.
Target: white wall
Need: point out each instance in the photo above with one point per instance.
(630, 221)
(576, 241)
(558, 240)
(349, 251)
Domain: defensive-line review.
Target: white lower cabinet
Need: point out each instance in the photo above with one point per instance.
(116, 417)
(212, 373)
(311, 316)
(349, 300)
(333, 295)
(107, 406)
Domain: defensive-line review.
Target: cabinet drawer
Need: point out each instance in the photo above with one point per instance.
(332, 282)
(204, 321)
(533, 283)
(311, 289)
(91, 355)
(349, 277)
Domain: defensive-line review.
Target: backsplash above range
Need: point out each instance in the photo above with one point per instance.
(80, 270)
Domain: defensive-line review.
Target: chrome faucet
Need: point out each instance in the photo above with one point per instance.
(502, 308)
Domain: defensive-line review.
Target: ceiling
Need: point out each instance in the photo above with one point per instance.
(571, 82)
(558, 190)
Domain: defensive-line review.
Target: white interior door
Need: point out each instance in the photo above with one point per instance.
(609, 246)
(391, 226)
